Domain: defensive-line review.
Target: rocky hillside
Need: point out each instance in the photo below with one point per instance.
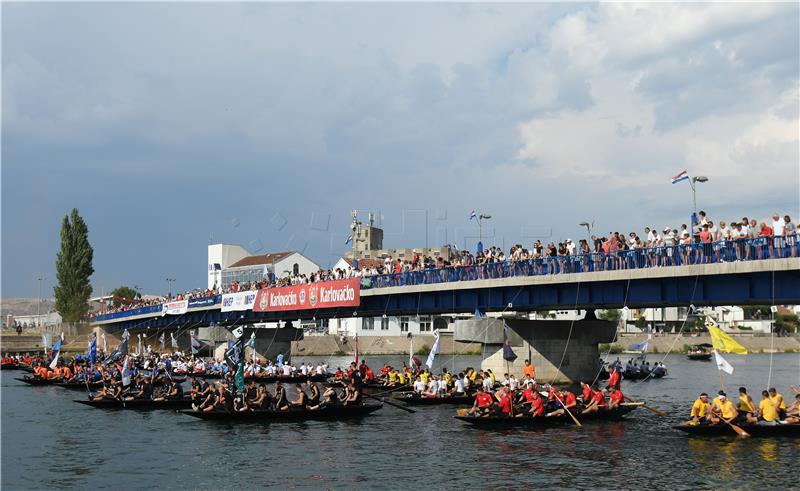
(25, 306)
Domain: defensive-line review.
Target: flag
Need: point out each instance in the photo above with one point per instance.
(238, 332)
(349, 239)
(251, 343)
(434, 350)
(356, 346)
(122, 349)
(45, 341)
(683, 176)
(722, 363)
(410, 350)
(233, 355)
(173, 341)
(162, 339)
(472, 215)
(508, 353)
(723, 342)
(56, 347)
(92, 351)
(105, 343)
(54, 363)
(126, 373)
(239, 378)
(640, 346)
(479, 313)
(195, 344)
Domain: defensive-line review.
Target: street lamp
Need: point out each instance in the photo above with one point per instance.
(589, 227)
(39, 301)
(481, 217)
(170, 281)
(694, 193)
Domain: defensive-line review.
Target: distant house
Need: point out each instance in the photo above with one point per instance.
(264, 266)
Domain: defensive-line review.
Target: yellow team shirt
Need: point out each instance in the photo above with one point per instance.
(448, 378)
(768, 411)
(775, 400)
(425, 376)
(747, 405)
(401, 378)
(728, 409)
(699, 408)
(392, 376)
(494, 380)
(473, 375)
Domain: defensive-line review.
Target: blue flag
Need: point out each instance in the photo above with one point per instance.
(56, 348)
(93, 350)
(479, 313)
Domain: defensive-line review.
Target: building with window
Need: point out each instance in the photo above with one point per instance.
(392, 325)
(229, 263)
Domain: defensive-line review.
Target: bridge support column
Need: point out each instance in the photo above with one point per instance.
(560, 356)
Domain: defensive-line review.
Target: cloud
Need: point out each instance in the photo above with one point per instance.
(162, 122)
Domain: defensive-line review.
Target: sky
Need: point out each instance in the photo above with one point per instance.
(174, 125)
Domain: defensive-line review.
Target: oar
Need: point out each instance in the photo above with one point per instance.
(651, 409)
(567, 410)
(398, 406)
(391, 390)
(738, 429)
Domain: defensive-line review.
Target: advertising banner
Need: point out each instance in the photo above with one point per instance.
(235, 302)
(203, 302)
(177, 307)
(339, 293)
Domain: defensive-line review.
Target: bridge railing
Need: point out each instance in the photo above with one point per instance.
(655, 257)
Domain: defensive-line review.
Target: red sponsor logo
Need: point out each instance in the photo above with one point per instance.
(339, 293)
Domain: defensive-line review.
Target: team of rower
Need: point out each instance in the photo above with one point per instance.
(771, 410)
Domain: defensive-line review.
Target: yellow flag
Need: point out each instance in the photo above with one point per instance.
(722, 342)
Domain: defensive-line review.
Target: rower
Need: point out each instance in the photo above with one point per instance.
(699, 409)
(281, 403)
(598, 401)
(504, 404)
(458, 385)
(353, 397)
(614, 377)
(529, 370)
(419, 385)
(615, 398)
(313, 398)
(793, 411)
(261, 400)
(767, 412)
(568, 401)
(483, 403)
(747, 408)
(777, 398)
(722, 409)
(586, 393)
(301, 400)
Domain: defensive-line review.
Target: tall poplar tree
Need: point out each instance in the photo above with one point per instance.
(73, 269)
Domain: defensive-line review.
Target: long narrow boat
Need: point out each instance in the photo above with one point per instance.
(79, 385)
(545, 422)
(753, 430)
(328, 413)
(10, 366)
(413, 399)
(37, 381)
(138, 404)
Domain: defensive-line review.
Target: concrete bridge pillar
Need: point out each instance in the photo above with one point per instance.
(560, 356)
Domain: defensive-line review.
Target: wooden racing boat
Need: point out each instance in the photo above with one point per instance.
(326, 413)
(10, 366)
(138, 404)
(545, 422)
(754, 430)
(80, 385)
(413, 399)
(700, 352)
(37, 381)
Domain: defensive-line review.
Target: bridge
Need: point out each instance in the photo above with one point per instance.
(769, 281)
(562, 350)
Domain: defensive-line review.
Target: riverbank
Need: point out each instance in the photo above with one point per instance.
(755, 343)
(331, 345)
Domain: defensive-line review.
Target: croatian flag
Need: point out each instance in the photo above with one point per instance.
(472, 215)
(349, 239)
(680, 177)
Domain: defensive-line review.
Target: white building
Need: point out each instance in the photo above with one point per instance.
(391, 325)
(255, 268)
(221, 256)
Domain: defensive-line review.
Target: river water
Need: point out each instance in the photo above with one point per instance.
(49, 442)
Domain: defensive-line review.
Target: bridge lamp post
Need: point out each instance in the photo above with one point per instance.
(589, 227)
(694, 192)
(482, 217)
(170, 281)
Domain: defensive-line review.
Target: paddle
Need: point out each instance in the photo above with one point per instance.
(398, 406)
(738, 429)
(651, 409)
(567, 410)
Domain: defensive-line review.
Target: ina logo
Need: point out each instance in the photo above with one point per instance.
(312, 295)
(264, 302)
(302, 296)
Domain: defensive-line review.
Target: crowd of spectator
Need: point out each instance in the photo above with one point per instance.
(701, 242)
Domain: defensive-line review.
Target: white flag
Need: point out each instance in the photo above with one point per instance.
(238, 332)
(173, 340)
(126, 373)
(434, 350)
(54, 363)
(722, 364)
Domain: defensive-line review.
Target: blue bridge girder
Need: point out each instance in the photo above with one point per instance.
(774, 281)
